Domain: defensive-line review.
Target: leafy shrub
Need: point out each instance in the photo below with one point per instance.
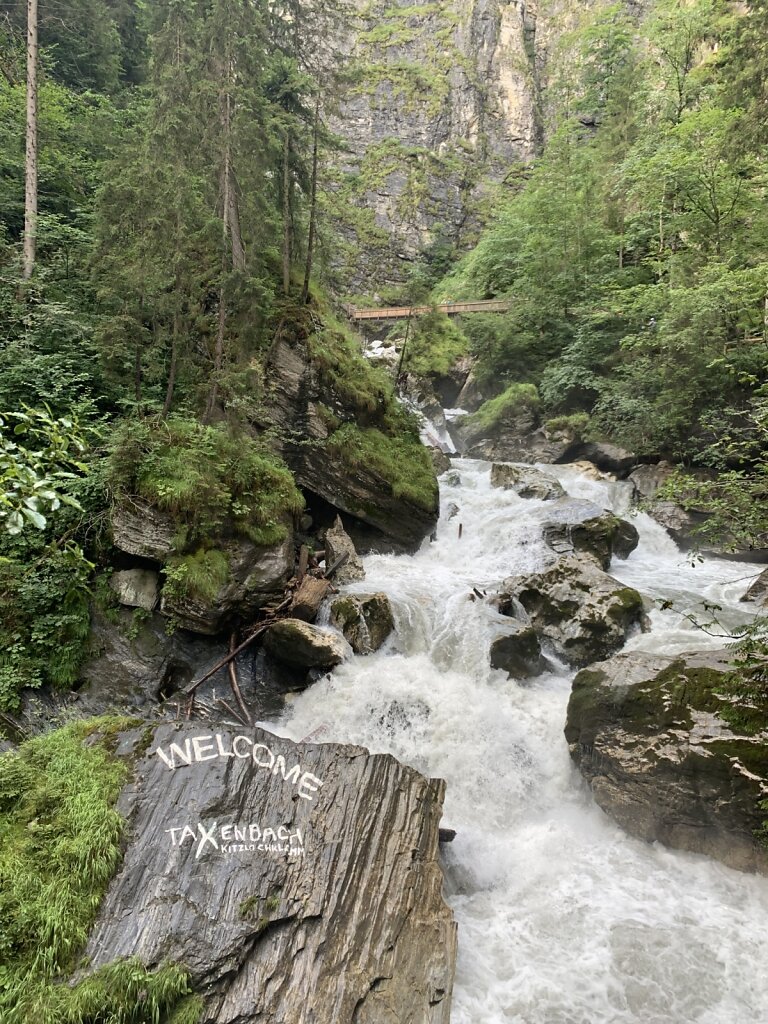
(573, 426)
(204, 477)
(435, 345)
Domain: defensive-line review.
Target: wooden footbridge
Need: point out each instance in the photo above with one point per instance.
(451, 308)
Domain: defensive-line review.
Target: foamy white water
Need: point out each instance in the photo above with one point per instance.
(563, 919)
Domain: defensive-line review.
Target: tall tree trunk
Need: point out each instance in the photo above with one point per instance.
(172, 369)
(30, 167)
(286, 214)
(226, 186)
(312, 204)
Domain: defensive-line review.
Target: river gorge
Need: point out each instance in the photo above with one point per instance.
(563, 918)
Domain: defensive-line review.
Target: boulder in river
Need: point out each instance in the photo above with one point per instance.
(518, 652)
(526, 481)
(758, 590)
(283, 876)
(669, 755)
(605, 456)
(339, 543)
(302, 645)
(583, 612)
(576, 525)
(365, 620)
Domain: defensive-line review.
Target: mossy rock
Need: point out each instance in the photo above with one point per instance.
(673, 754)
(366, 620)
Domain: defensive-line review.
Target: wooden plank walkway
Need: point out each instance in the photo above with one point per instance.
(451, 308)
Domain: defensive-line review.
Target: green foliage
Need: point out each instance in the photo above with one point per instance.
(200, 575)
(575, 426)
(44, 616)
(435, 345)
(59, 847)
(337, 355)
(205, 477)
(33, 471)
(516, 399)
(401, 460)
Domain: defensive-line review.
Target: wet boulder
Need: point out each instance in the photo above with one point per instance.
(518, 652)
(301, 645)
(281, 875)
(338, 543)
(365, 620)
(526, 481)
(574, 525)
(440, 459)
(584, 613)
(608, 457)
(758, 590)
(671, 756)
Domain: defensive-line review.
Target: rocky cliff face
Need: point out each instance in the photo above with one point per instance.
(297, 883)
(441, 101)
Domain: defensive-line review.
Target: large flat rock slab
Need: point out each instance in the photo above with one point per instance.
(296, 882)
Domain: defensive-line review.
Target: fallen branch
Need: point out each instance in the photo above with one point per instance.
(235, 685)
(190, 689)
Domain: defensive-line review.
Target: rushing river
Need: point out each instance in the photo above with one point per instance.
(563, 919)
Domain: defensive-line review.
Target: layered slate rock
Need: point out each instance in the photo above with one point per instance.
(670, 757)
(576, 525)
(136, 588)
(339, 544)
(525, 481)
(290, 879)
(584, 613)
(608, 457)
(140, 529)
(255, 576)
(303, 645)
(365, 620)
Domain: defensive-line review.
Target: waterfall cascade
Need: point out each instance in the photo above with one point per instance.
(563, 919)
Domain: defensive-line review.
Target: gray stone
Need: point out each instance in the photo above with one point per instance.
(576, 525)
(518, 653)
(648, 479)
(338, 543)
(136, 588)
(142, 530)
(440, 460)
(608, 457)
(758, 590)
(654, 738)
(527, 482)
(256, 575)
(582, 612)
(365, 620)
(346, 914)
(302, 645)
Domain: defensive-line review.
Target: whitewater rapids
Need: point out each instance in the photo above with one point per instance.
(563, 919)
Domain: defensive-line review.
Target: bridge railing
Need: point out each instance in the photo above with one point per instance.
(451, 308)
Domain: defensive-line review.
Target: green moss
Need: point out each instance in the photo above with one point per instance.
(510, 403)
(435, 345)
(203, 477)
(59, 847)
(200, 575)
(401, 460)
(573, 427)
(337, 355)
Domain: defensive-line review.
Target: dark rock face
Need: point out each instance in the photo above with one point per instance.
(575, 525)
(284, 876)
(365, 620)
(302, 645)
(651, 736)
(293, 405)
(517, 444)
(528, 483)
(608, 457)
(518, 653)
(440, 460)
(584, 613)
(256, 576)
